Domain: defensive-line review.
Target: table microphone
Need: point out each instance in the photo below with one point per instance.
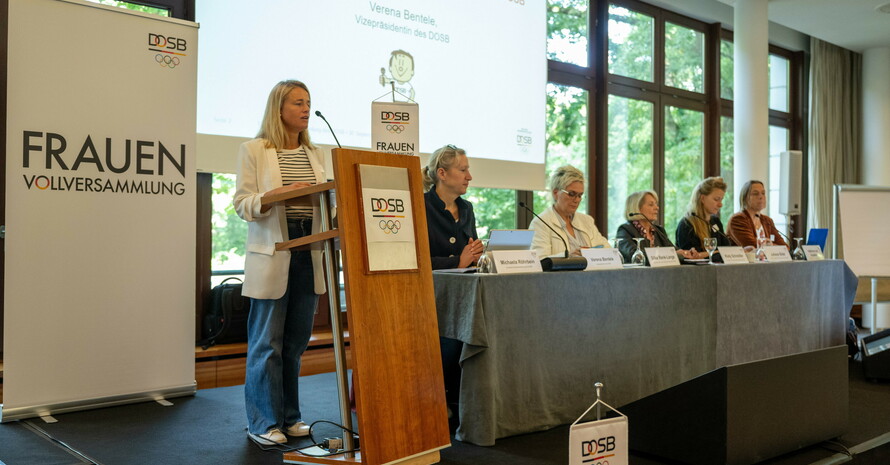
(555, 263)
(715, 229)
(790, 242)
(718, 231)
(566, 244)
(652, 223)
(318, 114)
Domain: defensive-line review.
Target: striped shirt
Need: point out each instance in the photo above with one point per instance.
(295, 167)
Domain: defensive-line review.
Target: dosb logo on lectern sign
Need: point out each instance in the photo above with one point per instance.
(602, 442)
(394, 128)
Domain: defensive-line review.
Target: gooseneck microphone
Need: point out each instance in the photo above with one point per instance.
(718, 231)
(554, 263)
(715, 229)
(318, 114)
(655, 230)
(566, 244)
(789, 241)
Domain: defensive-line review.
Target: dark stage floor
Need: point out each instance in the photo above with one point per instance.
(209, 428)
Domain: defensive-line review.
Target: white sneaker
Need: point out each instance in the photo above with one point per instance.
(297, 430)
(271, 438)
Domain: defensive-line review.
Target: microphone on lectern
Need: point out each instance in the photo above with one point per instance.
(318, 114)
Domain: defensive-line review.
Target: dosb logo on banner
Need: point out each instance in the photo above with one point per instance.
(600, 442)
(394, 128)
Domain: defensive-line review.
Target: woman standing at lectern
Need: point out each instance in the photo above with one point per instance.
(283, 286)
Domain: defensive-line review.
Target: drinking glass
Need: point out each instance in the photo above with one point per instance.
(710, 244)
(638, 258)
(759, 254)
(617, 244)
(798, 252)
(484, 262)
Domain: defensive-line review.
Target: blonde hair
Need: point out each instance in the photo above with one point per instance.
(635, 201)
(746, 189)
(272, 128)
(563, 176)
(442, 158)
(695, 212)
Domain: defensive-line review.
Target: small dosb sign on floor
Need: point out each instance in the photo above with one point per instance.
(600, 442)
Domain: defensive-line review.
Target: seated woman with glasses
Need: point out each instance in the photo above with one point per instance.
(701, 220)
(749, 225)
(562, 230)
(641, 212)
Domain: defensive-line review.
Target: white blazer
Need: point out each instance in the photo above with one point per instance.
(547, 244)
(266, 270)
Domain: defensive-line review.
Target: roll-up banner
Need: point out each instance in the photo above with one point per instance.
(100, 207)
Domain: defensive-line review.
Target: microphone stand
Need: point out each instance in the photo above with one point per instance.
(558, 264)
(318, 114)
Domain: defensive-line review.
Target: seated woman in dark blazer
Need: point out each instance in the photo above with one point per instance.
(450, 222)
(746, 226)
(451, 226)
(701, 218)
(641, 212)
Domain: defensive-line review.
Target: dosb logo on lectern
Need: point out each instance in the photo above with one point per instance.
(387, 205)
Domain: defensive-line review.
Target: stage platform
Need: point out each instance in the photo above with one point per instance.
(209, 428)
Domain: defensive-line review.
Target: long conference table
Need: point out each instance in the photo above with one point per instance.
(535, 343)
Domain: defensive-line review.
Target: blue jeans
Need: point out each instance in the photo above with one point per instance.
(278, 332)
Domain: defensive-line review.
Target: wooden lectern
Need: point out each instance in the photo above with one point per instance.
(394, 336)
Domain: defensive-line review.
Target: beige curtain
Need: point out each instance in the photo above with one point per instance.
(835, 126)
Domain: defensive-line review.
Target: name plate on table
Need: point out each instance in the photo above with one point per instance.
(733, 255)
(602, 258)
(776, 253)
(515, 261)
(662, 256)
(813, 252)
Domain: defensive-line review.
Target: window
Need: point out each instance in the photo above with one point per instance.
(727, 50)
(567, 116)
(683, 160)
(567, 31)
(684, 58)
(630, 154)
(631, 43)
(778, 143)
(135, 7)
(493, 208)
(727, 152)
(229, 231)
(778, 83)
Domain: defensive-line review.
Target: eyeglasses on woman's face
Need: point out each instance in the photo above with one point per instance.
(572, 194)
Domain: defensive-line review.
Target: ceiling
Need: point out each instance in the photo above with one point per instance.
(852, 24)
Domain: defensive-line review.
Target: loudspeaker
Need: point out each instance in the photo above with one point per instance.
(745, 413)
(789, 182)
(876, 355)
